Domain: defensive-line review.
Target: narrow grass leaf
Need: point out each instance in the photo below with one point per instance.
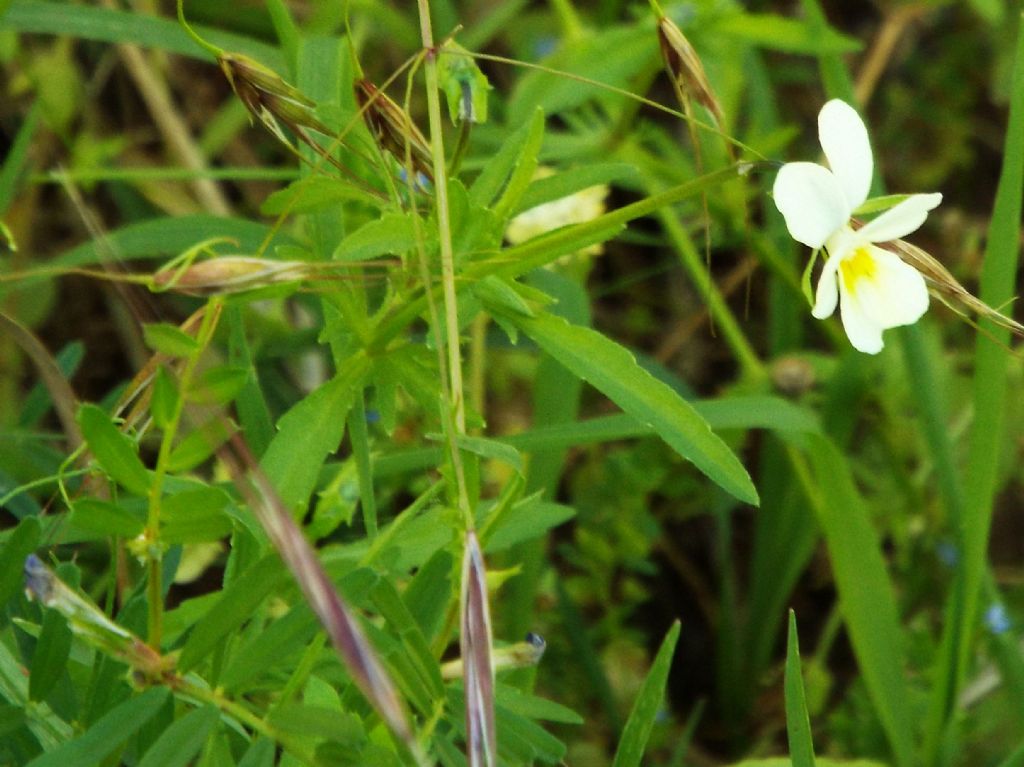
(495, 174)
(475, 649)
(614, 371)
(181, 742)
(107, 734)
(866, 596)
(788, 35)
(17, 155)
(115, 453)
(648, 702)
(113, 26)
(156, 238)
(798, 723)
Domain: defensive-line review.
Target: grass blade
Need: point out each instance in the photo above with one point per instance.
(798, 724)
(648, 701)
(866, 595)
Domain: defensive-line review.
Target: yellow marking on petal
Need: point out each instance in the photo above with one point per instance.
(859, 266)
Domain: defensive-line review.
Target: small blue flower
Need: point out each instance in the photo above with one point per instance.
(372, 416)
(545, 46)
(997, 619)
(948, 553)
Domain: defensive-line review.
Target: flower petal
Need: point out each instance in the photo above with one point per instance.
(845, 141)
(812, 202)
(864, 334)
(827, 294)
(901, 220)
(895, 295)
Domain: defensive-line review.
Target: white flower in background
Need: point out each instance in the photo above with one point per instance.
(874, 288)
(580, 207)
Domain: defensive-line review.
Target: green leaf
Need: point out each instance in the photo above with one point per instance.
(199, 444)
(108, 733)
(235, 606)
(165, 398)
(798, 724)
(648, 701)
(614, 371)
(263, 652)
(525, 521)
(113, 450)
(612, 57)
(195, 516)
(781, 34)
(309, 431)
(49, 661)
(492, 178)
(105, 518)
(315, 193)
(219, 385)
(532, 707)
(179, 743)
(318, 722)
(112, 26)
(17, 155)
(169, 339)
(23, 540)
(392, 234)
(156, 238)
(492, 449)
(866, 596)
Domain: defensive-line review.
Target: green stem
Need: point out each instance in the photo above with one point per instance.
(724, 319)
(361, 448)
(209, 47)
(154, 555)
(521, 259)
(452, 341)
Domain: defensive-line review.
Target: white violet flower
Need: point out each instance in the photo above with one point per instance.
(874, 288)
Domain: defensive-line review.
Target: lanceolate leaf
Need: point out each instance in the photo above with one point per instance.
(615, 372)
(798, 725)
(648, 702)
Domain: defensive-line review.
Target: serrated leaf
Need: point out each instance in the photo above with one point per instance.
(169, 339)
(648, 702)
(309, 431)
(614, 371)
(115, 453)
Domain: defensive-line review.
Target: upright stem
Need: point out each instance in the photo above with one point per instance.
(452, 341)
(154, 553)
